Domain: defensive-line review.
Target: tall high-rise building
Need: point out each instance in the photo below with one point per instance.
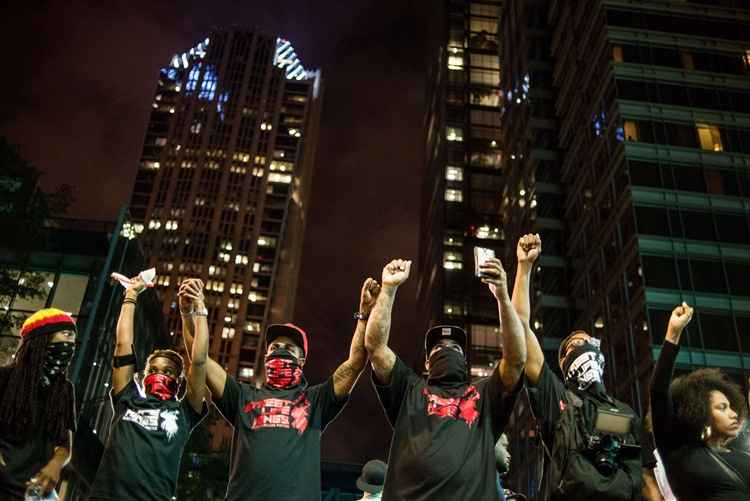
(651, 184)
(224, 181)
(463, 179)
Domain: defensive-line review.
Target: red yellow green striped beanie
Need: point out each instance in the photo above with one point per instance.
(47, 321)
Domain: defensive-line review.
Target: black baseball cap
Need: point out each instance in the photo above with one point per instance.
(440, 332)
(373, 476)
(291, 331)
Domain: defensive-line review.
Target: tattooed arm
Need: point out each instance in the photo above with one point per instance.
(379, 326)
(347, 373)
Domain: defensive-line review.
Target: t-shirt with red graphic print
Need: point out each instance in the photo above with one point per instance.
(276, 443)
(443, 445)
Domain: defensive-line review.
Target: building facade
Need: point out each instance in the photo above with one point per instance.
(463, 177)
(650, 117)
(223, 184)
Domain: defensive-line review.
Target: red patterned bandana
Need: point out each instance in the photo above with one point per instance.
(282, 373)
(161, 386)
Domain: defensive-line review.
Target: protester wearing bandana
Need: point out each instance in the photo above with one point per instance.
(278, 423)
(584, 465)
(445, 426)
(154, 411)
(37, 406)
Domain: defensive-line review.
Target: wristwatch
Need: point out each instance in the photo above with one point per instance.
(361, 316)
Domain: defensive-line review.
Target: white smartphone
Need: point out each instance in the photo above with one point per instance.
(481, 255)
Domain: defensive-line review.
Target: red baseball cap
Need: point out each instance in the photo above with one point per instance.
(291, 331)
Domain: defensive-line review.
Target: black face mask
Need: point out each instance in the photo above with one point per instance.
(448, 368)
(583, 366)
(58, 358)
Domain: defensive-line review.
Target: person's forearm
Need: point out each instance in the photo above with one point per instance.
(61, 456)
(520, 299)
(513, 340)
(357, 351)
(124, 344)
(379, 325)
(199, 353)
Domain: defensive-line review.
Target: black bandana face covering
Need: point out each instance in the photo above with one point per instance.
(58, 358)
(583, 365)
(447, 368)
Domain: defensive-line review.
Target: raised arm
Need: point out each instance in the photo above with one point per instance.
(215, 377)
(666, 435)
(511, 331)
(378, 327)
(197, 390)
(527, 251)
(346, 374)
(122, 374)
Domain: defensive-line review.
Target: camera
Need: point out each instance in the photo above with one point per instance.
(605, 453)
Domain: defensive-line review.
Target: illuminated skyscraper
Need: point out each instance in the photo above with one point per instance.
(463, 179)
(223, 184)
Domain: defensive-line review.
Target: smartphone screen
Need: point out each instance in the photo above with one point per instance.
(481, 254)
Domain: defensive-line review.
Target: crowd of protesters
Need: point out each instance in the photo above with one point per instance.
(447, 427)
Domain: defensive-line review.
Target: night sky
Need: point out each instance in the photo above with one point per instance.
(76, 91)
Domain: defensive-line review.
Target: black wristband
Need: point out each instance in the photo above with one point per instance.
(123, 361)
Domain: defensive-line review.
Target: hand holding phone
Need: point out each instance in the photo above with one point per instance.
(481, 255)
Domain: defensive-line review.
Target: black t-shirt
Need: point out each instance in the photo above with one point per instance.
(23, 459)
(141, 460)
(694, 471)
(276, 443)
(548, 402)
(443, 445)
(24, 456)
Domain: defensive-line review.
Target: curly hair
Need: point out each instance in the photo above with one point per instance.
(691, 395)
(24, 406)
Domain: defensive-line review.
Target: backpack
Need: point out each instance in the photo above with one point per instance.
(573, 475)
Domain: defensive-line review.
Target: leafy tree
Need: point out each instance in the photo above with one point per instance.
(24, 208)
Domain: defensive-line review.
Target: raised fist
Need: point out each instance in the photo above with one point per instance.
(370, 291)
(396, 272)
(681, 316)
(529, 247)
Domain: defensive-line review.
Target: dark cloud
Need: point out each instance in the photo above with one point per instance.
(79, 80)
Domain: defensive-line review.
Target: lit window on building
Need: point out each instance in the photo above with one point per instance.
(235, 289)
(195, 128)
(617, 53)
(252, 326)
(246, 372)
(257, 297)
(227, 333)
(709, 136)
(454, 309)
(453, 173)
(452, 195)
(160, 141)
(453, 240)
(687, 60)
(631, 130)
(151, 165)
(279, 166)
(266, 241)
(275, 177)
(453, 260)
(455, 58)
(487, 232)
(454, 134)
(154, 224)
(240, 259)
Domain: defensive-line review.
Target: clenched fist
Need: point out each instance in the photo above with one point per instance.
(528, 249)
(369, 295)
(396, 272)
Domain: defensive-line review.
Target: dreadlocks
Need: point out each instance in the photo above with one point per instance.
(24, 405)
